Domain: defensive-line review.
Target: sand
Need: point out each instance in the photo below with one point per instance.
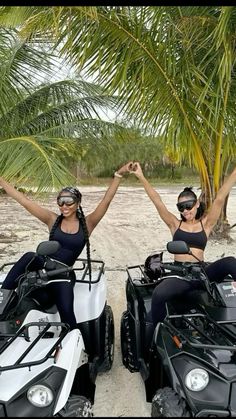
(130, 230)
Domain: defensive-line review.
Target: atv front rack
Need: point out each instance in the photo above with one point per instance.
(24, 332)
(210, 338)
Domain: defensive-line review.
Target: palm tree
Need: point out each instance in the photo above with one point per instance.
(43, 123)
(173, 67)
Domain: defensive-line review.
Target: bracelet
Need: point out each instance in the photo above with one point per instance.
(116, 174)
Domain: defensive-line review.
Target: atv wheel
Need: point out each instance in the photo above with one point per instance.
(76, 406)
(109, 340)
(166, 403)
(128, 357)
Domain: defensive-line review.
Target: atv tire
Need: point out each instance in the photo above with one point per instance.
(109, 340)
(76, 406)
(128, 358)
(167, 403)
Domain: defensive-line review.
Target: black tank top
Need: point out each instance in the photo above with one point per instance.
(196, 240)
(71, 245)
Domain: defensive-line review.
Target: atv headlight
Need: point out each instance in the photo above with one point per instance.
(197, 379)
(40, 396)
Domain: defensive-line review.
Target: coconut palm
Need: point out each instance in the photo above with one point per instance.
(173, 66)
(43, 122)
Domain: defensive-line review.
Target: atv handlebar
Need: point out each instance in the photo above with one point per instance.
(39, 278)
(192, 269)
(173, 267)
(187, 270)
(56, 272)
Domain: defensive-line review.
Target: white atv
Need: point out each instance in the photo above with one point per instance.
(46, 369)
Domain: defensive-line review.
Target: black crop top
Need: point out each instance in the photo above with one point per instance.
(197, 240)
(71, 245)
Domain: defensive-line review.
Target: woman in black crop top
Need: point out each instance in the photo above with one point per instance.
(194, 228)
(71, 229)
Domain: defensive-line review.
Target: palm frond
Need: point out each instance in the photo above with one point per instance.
(172, 67)
(46, 156)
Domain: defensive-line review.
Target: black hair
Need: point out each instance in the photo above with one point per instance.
(189, 193)
(81, 217)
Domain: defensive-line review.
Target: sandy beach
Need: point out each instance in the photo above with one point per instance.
(128, 233)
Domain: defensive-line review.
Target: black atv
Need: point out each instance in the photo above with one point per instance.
(188, 362)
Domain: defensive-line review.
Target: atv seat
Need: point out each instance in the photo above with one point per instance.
(43, 301)
(47, 308)
(189, 301)
(51, 309)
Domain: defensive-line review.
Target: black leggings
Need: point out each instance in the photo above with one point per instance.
(60, 293)
(170, 288)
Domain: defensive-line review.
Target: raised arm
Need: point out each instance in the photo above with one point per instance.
(170, 219)
(44, 215)
(218, 203)
(94, 217)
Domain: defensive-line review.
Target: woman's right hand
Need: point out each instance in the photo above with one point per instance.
(136, 169)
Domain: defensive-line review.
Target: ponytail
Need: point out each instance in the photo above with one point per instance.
(200, 210)
(80, 215)
(57, 222)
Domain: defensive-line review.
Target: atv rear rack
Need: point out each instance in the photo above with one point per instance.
(141, 275)
(211, 326)
(24, 332)
(85, 269)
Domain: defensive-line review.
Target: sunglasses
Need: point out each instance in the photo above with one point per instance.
(66, 200)
(188, 205)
